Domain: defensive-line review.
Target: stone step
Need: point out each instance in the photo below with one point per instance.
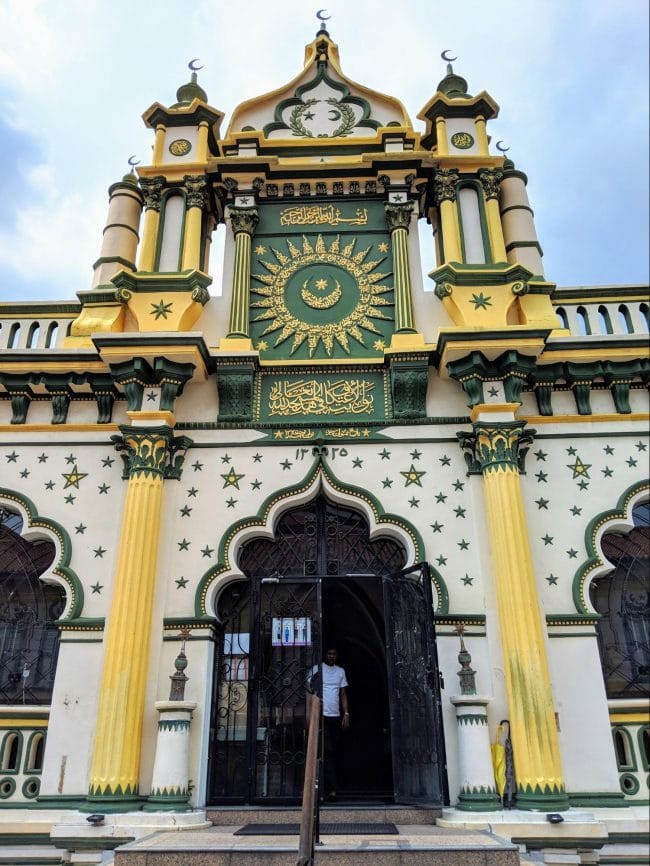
(416, 845)
(330, 814)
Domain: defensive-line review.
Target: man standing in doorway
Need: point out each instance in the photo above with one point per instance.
(335, 699)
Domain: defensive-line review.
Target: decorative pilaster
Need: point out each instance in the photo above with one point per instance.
(244, 222)
(490, 181)
(116, 758)
(444, 192)
(477, 787)
(196, 199)
(398, 217)
(530, 701)
(170, 779)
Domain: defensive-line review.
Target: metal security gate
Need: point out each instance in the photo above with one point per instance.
(419, 769)
(271, 647)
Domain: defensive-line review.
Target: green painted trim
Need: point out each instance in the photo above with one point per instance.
(537, 798)
(259, 521)
(518, 207)
(533, 843)
(464, 618)
(91, 843)
(7, 839)
(513, 245)
(18, 309)
(62, 569)
(598, 799)
(32, 780)
(645, 763)
(629, 838)
(581, 579)
(60, 801)
(633, 293)
(572, 618)
(636, 784)
(84, 623)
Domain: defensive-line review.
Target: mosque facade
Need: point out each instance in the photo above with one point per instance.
(214, 475)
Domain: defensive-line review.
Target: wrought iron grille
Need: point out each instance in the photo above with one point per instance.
(29, 638)
(622, 597)
(322, 538)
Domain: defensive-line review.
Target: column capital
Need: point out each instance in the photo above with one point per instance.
(398, 216)
(444, 185)
(244, 220)
(152, 188)
(196, 192)
(151, 452)
(490, 181)
(496, 446)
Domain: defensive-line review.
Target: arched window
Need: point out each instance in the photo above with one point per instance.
(584, 326)
(29, 638)
(14, 336)
(604, 320)
(625, 319)
(560, 312)
(35, 750)
(173, 215)
(474, 246)
(645, 316)
(622, 598)
(52, 334)
(10, 760)
(33, 335)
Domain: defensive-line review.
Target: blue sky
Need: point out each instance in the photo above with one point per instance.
(75, 76)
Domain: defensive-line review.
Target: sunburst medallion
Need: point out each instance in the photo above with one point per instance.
(324, 295)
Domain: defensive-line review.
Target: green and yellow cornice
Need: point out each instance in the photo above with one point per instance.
(440, 105)
(512, 368)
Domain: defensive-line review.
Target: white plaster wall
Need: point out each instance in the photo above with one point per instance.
(461, 124)
(71, 731)
(585, 735)
(174, 132)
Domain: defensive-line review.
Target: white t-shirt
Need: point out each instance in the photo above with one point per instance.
(333, 680)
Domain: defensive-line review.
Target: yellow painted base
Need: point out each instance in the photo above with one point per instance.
(410, 342)
(491, 409)
(92, 320)
(236, 344)
(164, 311)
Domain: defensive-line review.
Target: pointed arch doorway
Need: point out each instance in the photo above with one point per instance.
(322, 582)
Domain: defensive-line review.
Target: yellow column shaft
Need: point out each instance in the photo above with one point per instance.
(450, 231)
(481, 136)
(191, 260)
(149, 240)
(158, 145)
(240, 286)
(202, 142)
(403, 299)
(116, 757)
(532, 719)
(497, 244)
(441, 136)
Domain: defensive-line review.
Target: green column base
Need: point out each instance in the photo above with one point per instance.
(167, 804)
(130, 801)
(478, 800)
(542, 800)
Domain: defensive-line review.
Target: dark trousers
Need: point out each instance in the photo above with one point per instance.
(331, 742)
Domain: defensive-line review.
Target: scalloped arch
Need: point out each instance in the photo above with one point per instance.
(595, 529)
(60, 571)
(319, 477)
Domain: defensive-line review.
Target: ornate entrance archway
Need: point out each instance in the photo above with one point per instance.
(321, 579)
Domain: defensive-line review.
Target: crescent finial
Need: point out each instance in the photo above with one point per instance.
(133, 161)
(192, 65)
(501, 148)
(448, 59)
(323, 18)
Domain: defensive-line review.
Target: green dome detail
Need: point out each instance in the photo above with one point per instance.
(454, 86)
(130, 177)
(187, 92)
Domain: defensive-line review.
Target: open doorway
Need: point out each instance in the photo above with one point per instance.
(353, 622)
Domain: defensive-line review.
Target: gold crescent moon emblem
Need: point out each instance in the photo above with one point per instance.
(320, 303)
